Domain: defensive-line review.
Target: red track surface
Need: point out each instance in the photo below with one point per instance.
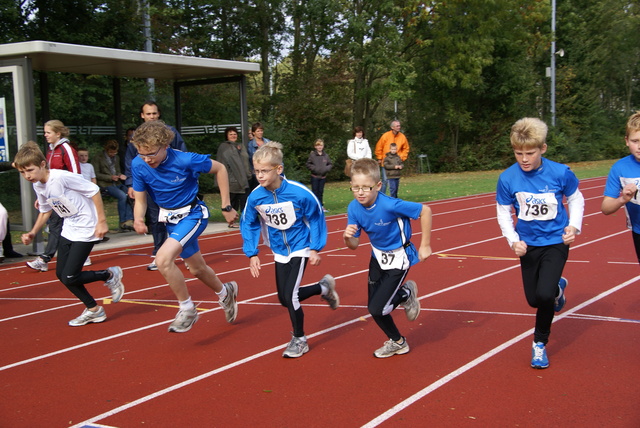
(470, 347)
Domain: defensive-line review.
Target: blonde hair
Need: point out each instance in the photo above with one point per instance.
(58, 127)
(270, 153)
(152, 135)
(318, 141)
(366, 166)
(633, 124)
(528, 133)
(29, 154)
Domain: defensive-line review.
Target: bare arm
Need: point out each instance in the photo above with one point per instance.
(425, 223)
(223, 184)
(139, 209)
(611, 205)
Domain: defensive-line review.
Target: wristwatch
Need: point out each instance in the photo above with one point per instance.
(227, 209)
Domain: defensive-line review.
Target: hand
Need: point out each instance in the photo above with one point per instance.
(350, 231)
(230, 216)
(569, 235)
(628, 192)
(424, 252)
(101, 229)
(27, 237)
(314, 258)
(140, 227)
(254, 266)
(122, 177)
(520, 248)
(130, 193)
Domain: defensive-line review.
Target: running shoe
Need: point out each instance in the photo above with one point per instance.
(296, 348)
(87, 262)
(88, 316)
(561, 299)
(230, 303)
(115, 283)
(38, 264)
(184, 320)
(331, 297)
(412, 304)
(539, 358)
(152, 265)
(391, 348)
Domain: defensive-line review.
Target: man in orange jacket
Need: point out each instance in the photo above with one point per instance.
(383, 146)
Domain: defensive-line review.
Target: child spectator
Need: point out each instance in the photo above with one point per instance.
(79, 203)
(170, 178)
(319, 164)
(111, 181)
(623, 181)
(88, 172)
(386, 221)
(296, 231)
(535, 187)
(393, 164)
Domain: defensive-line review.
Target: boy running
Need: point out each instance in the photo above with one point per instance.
(170, 177)
(621, 189)
(535, 187)
(79, 203)
(386, 221)
(295, 231)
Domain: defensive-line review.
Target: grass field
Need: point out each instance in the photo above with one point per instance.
(418, 188)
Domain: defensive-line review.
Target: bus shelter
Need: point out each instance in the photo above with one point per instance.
(21, 60)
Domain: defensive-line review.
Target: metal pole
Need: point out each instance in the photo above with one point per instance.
(553, 63)
(148, 47)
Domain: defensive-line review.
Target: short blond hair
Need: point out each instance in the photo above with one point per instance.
(368, 167)
(633, 124)
(528, 133)
(152, 135)
(269, 153)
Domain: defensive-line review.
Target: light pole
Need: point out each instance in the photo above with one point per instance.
(553, 63)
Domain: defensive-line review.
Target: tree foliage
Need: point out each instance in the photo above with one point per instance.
(456, 73)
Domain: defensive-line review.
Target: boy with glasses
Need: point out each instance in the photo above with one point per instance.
(170, 178)
(296, 229)
(387, 223)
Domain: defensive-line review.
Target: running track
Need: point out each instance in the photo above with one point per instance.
(470, 347)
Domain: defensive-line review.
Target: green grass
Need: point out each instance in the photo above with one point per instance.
(417, 188)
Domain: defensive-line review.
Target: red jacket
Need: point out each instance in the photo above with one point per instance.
(63, 156)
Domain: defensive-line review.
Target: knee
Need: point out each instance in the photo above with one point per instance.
(67, 280)
(163, 262)
(375, 310)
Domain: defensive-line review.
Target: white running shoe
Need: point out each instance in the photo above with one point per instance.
(115, 283)
(230, 303)
(88, 316)
(38, 264)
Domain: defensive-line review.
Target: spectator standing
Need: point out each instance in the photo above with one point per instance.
(382, 148)
(319, 164)
(393, 164)
(358, 147)
(257, 141)
(61, 155)
(231, 156)
(111, 181)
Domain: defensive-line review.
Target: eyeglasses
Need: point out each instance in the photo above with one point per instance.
(153, 155)
(361, 189)
(263, 171)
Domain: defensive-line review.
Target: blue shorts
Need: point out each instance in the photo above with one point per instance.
(189, 228)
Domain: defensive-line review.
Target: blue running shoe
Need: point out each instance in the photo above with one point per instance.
(561, 299)
(539, 358)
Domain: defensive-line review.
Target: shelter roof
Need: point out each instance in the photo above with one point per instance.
(70, 58)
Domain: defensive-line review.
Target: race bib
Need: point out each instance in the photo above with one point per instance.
(279, 216)
(393, 259)
(173, 216)
(537, 206)
(63, 206)
(624, 181)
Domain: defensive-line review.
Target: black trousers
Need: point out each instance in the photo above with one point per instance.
(290, 294)
(385, 294)
(71, 257)
(541, 271)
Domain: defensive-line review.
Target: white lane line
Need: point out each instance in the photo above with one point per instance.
(465, 368)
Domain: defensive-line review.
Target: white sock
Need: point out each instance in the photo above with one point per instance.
(222, 294)
(324, 289)
(186, 304)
